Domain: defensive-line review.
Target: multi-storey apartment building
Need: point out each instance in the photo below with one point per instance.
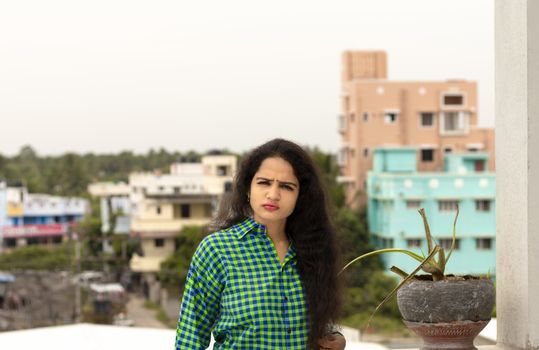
(3, 209)
(114, 205)
(39, 218)
(154, 207)
(438, 117)
(162, 204)
(3, 203)
(396, 190)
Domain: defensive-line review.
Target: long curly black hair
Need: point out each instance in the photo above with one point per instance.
(308, 227)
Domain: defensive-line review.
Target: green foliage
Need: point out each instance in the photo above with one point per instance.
(69, 174)
(354, 241)
(59, 257)
(174, 269)
(366, 297)
(90, 232)
(329, 170)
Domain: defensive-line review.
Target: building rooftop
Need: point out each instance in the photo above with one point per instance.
(90, 337)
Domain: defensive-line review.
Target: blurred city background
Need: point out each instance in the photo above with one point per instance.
(124, 123)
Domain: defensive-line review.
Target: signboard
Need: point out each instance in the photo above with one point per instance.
(34, 230)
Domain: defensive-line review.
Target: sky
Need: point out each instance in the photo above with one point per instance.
(105, 76)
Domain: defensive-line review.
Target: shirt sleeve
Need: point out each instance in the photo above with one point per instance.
(201, 298)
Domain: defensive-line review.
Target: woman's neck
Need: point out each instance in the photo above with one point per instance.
(275, 230)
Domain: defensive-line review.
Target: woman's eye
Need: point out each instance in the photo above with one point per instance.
(263, 183)
(287, 187)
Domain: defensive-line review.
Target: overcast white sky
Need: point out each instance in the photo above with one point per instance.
(112, 75)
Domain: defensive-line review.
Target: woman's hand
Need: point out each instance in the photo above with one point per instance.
(333, 341)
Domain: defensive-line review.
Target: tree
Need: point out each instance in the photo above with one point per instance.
(174, 269)
(60, 257)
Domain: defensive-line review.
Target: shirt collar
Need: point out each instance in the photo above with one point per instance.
(251, 225)
(248, 225)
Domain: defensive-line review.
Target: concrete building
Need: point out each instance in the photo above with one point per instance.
(396, 190)
(162, 204)
(154, 207)
(438, 117)
(114, 204)
(39, 218)
(3, 209)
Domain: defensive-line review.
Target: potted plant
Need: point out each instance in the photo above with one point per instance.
(447, 311)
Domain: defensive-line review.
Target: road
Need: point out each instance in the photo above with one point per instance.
(142, 316)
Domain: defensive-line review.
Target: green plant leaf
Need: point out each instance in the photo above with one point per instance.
(398, 271)
(382, 251)
(454, 235)
(441, 261)
(427, 229)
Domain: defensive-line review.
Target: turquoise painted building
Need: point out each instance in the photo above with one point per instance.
(396, 190)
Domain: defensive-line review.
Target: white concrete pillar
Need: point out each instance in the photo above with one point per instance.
(517, 169)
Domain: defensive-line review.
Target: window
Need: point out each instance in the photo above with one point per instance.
(453, 100)
(445, 243)
(365, 152)
(483, 243)
(448, 149)
(32, 241)
(158, 210)
(448, 205)
(413, 243)
(482, 205)
(342, 156)
(352, 117)
(454, 122)
(10, 242)
(479, 165)
(390, 117)
(427, 155)
(341, 121)
(365, 116)
(427, 119)
(413, 204)
(222, 170)
(159, 242)
(177, 190)
(387, 242)
(185, 210)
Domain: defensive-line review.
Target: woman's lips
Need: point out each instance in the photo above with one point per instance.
(270, 207)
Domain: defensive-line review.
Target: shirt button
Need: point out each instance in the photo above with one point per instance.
(286, 298)
(288, 330)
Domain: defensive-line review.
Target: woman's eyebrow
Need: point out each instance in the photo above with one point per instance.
(282, 182)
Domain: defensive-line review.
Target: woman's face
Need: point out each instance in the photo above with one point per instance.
(274, 191)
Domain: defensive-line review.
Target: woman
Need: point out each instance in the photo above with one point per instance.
(268, 278)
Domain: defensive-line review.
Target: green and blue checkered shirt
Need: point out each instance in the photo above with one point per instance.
(238, 289)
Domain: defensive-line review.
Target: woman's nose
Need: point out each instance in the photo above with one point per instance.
(274, 192)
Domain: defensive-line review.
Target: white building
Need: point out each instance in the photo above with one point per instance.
(154, 207)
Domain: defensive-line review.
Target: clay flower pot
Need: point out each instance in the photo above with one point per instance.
(447, 314)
